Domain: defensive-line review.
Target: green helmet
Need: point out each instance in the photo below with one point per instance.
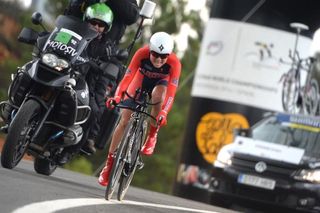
(99, 11)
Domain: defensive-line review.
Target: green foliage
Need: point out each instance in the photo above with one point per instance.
(80, 164)
(21, 52)
(55, 7)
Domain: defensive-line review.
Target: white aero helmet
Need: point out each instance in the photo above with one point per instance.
(161, 42)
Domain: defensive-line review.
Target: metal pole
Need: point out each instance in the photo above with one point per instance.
(137, 35)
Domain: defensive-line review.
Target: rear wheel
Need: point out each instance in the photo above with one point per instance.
(118, 163)
(311, 98)
(20, 132)
(290, 93)
(130, 167)
(44, 166)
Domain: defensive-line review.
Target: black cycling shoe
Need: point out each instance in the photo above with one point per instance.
(88, 147)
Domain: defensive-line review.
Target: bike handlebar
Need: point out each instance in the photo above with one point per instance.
(135, 110)
(143, 103)
(300, 63)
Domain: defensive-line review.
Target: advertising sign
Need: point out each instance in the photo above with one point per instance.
(243, 63)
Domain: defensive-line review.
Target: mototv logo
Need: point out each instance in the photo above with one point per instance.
(63, 47)
(216, 130)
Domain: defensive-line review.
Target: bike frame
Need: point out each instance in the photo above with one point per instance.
(295, 97)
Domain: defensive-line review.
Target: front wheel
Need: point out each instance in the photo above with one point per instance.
(130, 167)
(20, 132)
(120, 160)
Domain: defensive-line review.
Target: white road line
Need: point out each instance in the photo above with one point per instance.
(62, 204)
(166, 207)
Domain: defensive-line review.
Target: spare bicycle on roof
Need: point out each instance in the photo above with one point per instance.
(298, 97)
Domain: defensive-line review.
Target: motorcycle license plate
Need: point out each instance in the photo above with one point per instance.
(256, 181)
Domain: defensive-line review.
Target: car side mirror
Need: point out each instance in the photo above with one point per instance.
(244, 132)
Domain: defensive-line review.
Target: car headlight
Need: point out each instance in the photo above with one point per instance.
(224, 157)
(309, 175)
(53, 61)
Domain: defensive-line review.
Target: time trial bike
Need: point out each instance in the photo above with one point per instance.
(127, 156)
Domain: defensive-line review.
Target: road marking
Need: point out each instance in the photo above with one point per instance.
(62, 204)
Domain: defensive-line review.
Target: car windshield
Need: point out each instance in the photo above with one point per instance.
(283, 131)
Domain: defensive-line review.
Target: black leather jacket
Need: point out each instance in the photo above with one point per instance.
(126, 12)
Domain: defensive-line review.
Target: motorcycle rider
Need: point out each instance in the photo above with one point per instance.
(126, 12)
(153, 68)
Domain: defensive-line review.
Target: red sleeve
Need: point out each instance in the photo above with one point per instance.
(132, 69)
(173, 82)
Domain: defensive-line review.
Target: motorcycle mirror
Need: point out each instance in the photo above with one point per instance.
(147, 9)
(36, 18)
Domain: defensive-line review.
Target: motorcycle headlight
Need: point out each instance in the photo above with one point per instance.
(53, 61)
(309, 175)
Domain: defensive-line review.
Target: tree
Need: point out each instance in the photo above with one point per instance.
(11, 24)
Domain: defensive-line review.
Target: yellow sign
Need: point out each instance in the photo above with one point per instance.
(216, 130)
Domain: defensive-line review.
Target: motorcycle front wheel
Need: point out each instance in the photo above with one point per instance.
(20, 132)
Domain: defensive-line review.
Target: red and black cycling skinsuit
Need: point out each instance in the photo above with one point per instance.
(142, 74)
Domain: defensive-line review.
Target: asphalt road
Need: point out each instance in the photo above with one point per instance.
(22, 190)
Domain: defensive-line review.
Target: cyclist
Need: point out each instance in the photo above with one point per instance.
(126, 12)
(153, 68)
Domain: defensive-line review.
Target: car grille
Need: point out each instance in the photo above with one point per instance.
(247, 163)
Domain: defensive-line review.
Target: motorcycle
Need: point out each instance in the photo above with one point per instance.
(49, 97)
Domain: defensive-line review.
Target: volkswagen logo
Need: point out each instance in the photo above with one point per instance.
(260, 167)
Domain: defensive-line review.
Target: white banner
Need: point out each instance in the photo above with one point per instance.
(240, 63)
(268, 150)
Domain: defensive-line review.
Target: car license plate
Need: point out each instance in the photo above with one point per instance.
(256, 181)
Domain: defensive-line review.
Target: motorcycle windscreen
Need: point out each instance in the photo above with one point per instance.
(69, 38)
